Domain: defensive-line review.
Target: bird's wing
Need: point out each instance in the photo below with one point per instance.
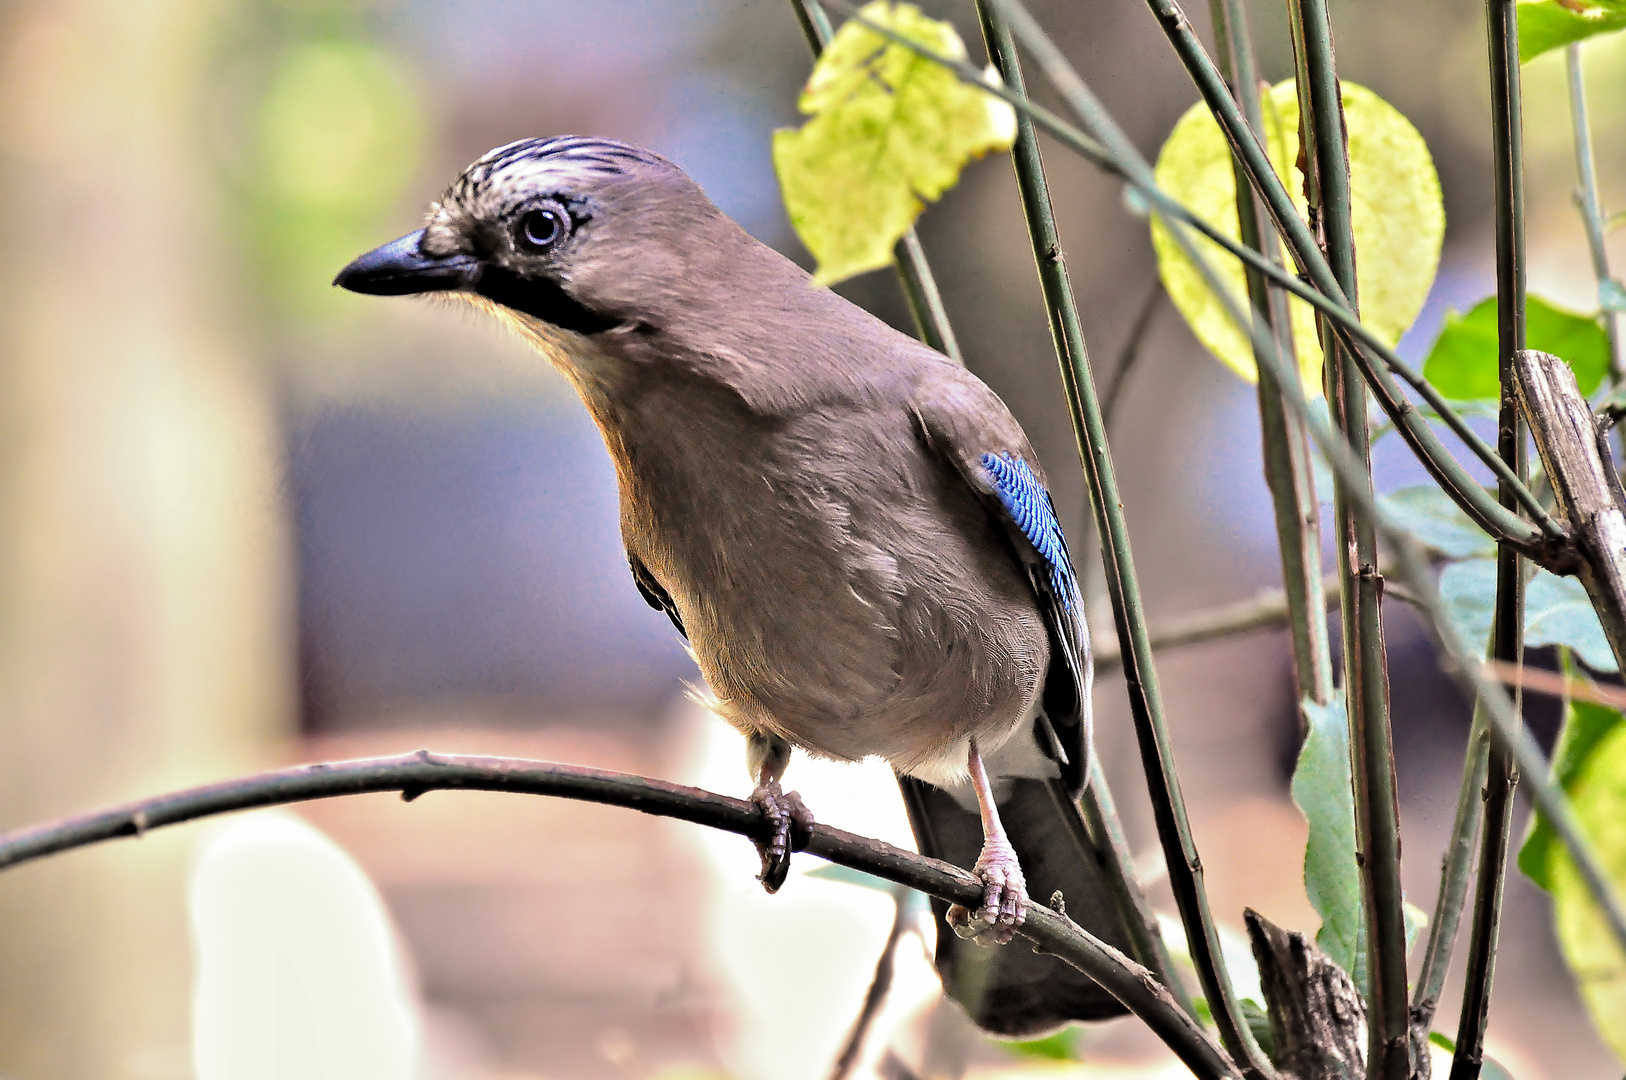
(966, 423)
(654, 594)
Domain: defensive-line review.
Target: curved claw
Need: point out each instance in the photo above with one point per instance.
(792, 828)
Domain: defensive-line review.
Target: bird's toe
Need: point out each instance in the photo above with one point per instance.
(792, 825)
(1004, 898)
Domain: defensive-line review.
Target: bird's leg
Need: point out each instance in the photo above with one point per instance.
(1004, 889)
(767, 756)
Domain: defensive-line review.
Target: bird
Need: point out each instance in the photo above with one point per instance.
(850, 530)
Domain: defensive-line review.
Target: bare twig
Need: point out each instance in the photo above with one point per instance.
(1555, 685)
(1131, 350)
(1266, 610)
(1287, 465)
(1507, 620)
(1454, 867)
(881, 985)
(1586, 198)
(414, 774)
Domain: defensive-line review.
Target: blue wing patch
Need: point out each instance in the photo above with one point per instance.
(1028, 503)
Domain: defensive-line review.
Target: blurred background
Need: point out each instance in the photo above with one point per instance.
(247, 519)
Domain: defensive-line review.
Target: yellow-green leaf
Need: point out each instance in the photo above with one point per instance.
(1398, 213)
(1598, 792)
(889, 132)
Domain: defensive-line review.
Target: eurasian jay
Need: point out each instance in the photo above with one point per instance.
(851, 530)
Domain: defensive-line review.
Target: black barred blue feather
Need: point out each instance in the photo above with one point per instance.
(1029, 505)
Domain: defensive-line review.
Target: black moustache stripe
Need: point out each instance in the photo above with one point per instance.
(542, 298)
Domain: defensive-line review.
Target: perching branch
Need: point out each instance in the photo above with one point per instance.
(414, 774)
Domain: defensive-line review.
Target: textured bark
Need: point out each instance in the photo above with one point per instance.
(1317, 1020)
(1576, 454)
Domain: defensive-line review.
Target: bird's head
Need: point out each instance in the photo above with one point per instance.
(581, 234)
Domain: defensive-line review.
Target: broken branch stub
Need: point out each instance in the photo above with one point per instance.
(1577, 458)
(1317, 1020)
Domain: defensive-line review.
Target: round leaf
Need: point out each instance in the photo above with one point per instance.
(1398, 213)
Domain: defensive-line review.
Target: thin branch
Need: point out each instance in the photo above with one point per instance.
(1555, 685)
(1324, 144)
(1266, 610)
(1089, 431)
(1507, 620)
(1132, 348)
(1145, 697)
(1454, 867)
(880, 985)
(415, 774)
(1586, 198)
(1286, 449)
(914, 272)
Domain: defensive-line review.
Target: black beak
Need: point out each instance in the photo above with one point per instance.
(400, 268)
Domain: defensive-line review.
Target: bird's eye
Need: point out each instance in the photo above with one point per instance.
(541, 228)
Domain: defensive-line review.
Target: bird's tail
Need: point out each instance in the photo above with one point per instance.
(1012, 991)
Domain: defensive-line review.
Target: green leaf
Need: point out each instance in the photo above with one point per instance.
(1556, 611)
(1325, 795)
(1399, 221)
(1057, 1046)
(1438, 523)
(1462, 363)
(1549, 25)
(890, 131)
(1590, 764)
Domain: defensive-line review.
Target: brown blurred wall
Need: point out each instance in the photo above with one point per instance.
(144, 623)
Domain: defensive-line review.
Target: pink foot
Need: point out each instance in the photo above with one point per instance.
(1004, 897)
